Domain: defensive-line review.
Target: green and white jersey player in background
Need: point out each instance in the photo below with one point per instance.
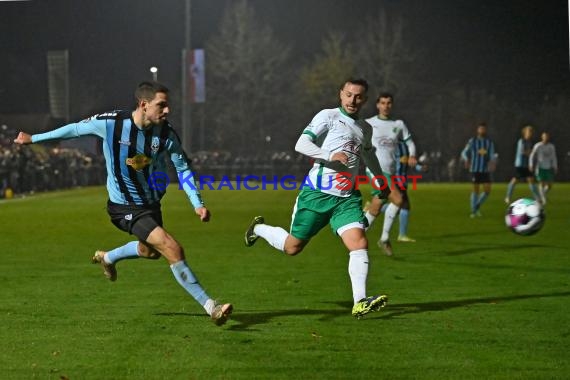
(387, 133)
(337, 141)
(543, 163)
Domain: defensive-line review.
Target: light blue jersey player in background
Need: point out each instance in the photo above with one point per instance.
(522, 171)
(136, 145)
(480, 158)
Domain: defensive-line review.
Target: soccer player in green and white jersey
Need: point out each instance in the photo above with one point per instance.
(387, 133)
(337, 140)
(544, 163)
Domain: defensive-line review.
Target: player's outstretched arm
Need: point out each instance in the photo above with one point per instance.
(23, 138)
(203, 213)
(412, 160)
(306, 146)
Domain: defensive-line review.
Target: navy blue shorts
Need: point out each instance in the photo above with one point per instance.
(478, 177)
(522, 173)
(136, 220)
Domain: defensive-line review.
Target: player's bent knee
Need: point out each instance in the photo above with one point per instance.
(148, 252)
(398, 201)
(293, 249)
(396, 198)
(356, 244)
(294, 246)
(354, 239)
(154, 255)
(375, 206)
(173, 252)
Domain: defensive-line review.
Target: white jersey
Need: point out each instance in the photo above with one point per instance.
(543, 156)
(386, 135)
(335, 131)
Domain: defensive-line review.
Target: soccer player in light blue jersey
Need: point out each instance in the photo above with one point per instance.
(136, 145)
(480, 158)
(522, 171)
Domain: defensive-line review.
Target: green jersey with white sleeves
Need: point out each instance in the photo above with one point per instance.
(335, 131)
(386, 135)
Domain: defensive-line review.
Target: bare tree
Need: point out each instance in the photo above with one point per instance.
(378, 51)
(247, 81)
(384, 53)
(320, 80)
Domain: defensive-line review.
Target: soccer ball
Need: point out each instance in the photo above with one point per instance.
(525, 217)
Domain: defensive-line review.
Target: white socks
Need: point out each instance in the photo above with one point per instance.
(275, 236)
(209, 306)
(389, 217)
(358, 271)
(370, 219)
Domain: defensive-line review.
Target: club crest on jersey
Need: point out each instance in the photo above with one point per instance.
(351, 146)
(155, 144)
(138, 162)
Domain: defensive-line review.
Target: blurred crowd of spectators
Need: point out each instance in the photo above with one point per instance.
(226, 164)
(40, 168)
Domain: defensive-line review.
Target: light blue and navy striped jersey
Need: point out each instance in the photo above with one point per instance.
(524, 147)
(402, 156)
(134, 157)
(479, 151)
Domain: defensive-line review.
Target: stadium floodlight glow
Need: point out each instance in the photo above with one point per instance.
(154, 71)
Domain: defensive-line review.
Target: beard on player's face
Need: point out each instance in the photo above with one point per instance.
(352, 97)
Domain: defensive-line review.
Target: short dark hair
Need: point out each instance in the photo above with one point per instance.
(385, 95)
(358, 81)
(482, 124)
(147, 90)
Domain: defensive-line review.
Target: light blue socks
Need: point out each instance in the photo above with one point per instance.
(189, 282)
(127, 251)
(404, 219)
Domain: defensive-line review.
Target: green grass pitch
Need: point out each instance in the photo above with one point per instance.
(469, 300)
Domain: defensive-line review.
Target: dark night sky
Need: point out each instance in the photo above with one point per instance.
(516, 45)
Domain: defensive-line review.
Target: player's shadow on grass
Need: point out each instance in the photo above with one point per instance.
(246, 320)
(398, 310)
(495, 247)
(438, 237)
